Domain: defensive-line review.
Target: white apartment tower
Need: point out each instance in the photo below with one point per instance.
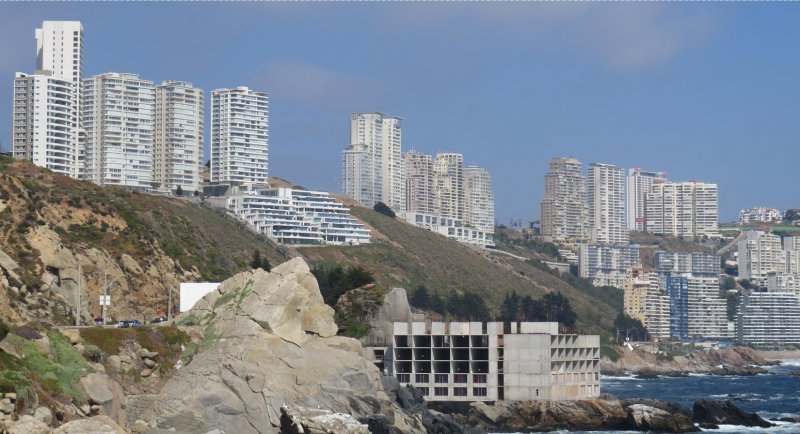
(479, 199)
(606, 194)
(117, 116)
(639, 184)
(448, 184)
(46, 113)
(178, 140)
(683, 209)
(419, 183)
(239, 135)
(762, 254)
(564, 213)
(45, 122)
(373, 162)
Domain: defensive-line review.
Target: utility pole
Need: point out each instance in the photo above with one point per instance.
(78, 305)
(169, 305)
(105, 294)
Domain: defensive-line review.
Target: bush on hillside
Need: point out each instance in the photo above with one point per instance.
(384, 209)
(3, 330)
(630, 327)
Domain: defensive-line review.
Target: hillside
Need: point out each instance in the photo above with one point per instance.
(52, 226)
(651, 243)
(407, 256)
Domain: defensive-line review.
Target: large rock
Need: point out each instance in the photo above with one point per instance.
(708, 412)
(95, 425)
(103, 391)
(269, 341)
(8, 265)
(395, 307)
(526, 416)
(651, 419)
(302, 420)
(26, 425)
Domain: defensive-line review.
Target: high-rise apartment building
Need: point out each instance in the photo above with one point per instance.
(448, 184)
(645, 300)
(683, 209)
(117, 116)
(606, 265)
(373, 164)
(768, 319)
(639, 184)
(692, 282)
(419, 183)
(45, 122)
(479, 199)
(46, 113)
(178, 139)
(761, 254)
(564, 212)
(606, 197)
(760, 214)
(239, 135)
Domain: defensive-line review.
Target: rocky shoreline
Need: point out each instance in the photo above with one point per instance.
(738, 361)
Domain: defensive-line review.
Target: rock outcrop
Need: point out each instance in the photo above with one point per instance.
(265, 341)
(725, 361)
(710, 413)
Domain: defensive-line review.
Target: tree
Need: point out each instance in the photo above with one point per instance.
(728, 283)
(510, 309)
(179, 191)
(630, 326)
(558, 309)
(532, 310)
(384, 209)
(260, 262)
(3, 330)
(421, 299)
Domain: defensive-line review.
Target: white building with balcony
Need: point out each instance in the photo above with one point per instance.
(178, 140)
(239, 135)
(683, 209)
(606, 265)
(117, 115)
(605, 188)
(760, 214)
(292, 216)
(495, 361)
(451, 228)
(639, 184)
(45, 122)
(564, 210)
(478, 199)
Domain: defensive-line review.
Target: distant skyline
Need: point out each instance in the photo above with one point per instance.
(702, 91)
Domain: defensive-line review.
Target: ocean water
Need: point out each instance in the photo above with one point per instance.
(772, 395)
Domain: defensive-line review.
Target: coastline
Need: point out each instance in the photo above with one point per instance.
(738, 361)
(780, 356)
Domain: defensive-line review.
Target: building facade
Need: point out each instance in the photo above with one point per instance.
(239, 135)
(478, 199)
(606, 196)
(419, 183)
(451, 228)
(645, 300)
(45, 122)
(606, 265)
(377, 173)
(292, 216)
(448, 184)
(639, 183)
(564, 211)
(697, 311)
(768, 319)
(760, 215)
(59, 49)
(473, 361)
(117, 116)
(761, 254)
(178, 139)
(683, 209)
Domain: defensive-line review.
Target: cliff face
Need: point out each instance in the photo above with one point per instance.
(734, 361)
(62, 240)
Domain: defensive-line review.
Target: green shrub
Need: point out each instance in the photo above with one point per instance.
(93, 352)
(3, 330)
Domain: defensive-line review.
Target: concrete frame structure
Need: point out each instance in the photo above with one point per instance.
(448, 182)
(474, 361)
(606, 265)
(179, 137)
(683, 209)
(117, 116)
(239, 135)
(564, 210)
(639, 183)
(45, 122)
(478, 199)
(292, 216)
(605, 189)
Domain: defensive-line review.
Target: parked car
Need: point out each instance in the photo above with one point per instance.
(125, 323)
(158, 320)
(98, 321)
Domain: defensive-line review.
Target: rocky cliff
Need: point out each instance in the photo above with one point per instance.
(726, 361)
(266, 341)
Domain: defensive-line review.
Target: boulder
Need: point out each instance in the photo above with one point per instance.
(43, 414)
(651, 419)
(105, 392)
(708, 412)
(526, 416)
(73, 335)
(26, 425)
(145, 354)
(114, 362)
(149, 363)
(9, 265)
(302, 420)
(95, 425)
(269, 341)
(390, 386)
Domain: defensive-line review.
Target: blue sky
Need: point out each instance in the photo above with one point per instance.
(703, 91)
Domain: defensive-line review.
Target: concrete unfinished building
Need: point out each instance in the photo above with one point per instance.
(474, 361)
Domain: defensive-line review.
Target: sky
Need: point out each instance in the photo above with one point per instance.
(707, 92)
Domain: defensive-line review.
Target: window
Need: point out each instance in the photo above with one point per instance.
(404, 378)
(421, 378)
(424, 391)
(440, 378)
(478, 391)
(459, 378)
(460, 391)
(479, 378)
(440, 391)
